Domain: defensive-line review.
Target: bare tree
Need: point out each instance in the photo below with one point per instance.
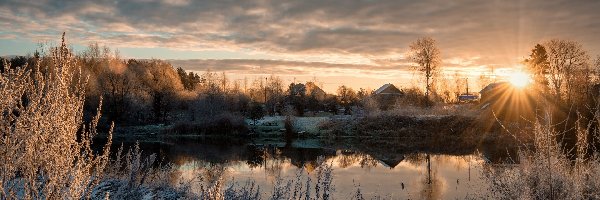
(567, 62)
(596, 70)
(427, 56)
(346, 97)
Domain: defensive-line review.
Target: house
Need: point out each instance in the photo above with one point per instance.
(508, 103)
(387, 95)
(388, 89)
(493, 90)
(391, 163)
(315, 91)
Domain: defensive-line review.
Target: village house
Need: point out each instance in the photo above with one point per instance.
(387, 95)
(389, 89)
(493, 91)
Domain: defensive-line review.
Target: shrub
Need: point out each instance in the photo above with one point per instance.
(546, 171)
(45, 148)
(134, 176)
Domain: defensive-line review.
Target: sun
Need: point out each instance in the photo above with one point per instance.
(519, 79)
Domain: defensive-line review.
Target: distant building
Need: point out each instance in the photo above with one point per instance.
(468, 97)
(388, 89)
(508, 102)
(387, 95)
(493, 91)
(315, 91)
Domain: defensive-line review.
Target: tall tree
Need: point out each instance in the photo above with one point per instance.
(346, 97)
(567, 62)
(297, 97)
(425, 53)
(596, 70)
(538, 65)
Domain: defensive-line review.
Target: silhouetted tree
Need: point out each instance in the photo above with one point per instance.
(256, 112)
(297, 97)
(567, 65)
(538, 65)
(188, 80)
(425, 53)
(346, 97)
(596, 70)
(275, 94)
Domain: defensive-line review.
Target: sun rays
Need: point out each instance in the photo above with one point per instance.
(519, 79)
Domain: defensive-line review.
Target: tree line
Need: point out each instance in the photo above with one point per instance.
(152, 91)
(144, 91)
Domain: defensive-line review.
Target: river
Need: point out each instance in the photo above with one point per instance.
(390, 175)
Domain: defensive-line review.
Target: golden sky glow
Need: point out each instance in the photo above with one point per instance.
(519, 79)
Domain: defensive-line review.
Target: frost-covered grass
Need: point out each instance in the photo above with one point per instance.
(132, 176)
(273, 124)
(545, 172)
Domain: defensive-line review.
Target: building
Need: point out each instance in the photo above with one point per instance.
(493, 91)
(467, 97)
(387, 95)
(315, 91)
(388, 89)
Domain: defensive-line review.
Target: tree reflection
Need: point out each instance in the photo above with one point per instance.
(432, 186)
(346, 159)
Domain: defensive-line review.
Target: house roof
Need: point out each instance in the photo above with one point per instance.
(391, 162)
(388, 89)
(313, 89)
(491, 86)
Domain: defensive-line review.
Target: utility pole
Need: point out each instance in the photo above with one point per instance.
(467, 82)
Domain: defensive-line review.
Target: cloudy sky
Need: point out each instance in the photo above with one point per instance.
(360, 43)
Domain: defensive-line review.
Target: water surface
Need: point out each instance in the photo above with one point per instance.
(417, 175)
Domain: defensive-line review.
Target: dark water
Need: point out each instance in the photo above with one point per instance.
(417, 175)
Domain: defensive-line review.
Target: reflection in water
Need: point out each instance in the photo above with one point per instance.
(396, 176)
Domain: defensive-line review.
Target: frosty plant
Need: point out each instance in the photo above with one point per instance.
(44, 145)
(544, 171)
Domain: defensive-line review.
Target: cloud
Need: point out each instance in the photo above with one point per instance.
(256, 66)
(332, 75)
(338, 36)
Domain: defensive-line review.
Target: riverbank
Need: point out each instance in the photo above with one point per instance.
(455, 125)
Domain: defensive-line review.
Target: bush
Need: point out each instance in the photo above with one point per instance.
(546, 171)
(45, 149)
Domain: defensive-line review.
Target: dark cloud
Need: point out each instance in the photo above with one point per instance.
(470, 33)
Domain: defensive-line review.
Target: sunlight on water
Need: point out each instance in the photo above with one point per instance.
(396, 177)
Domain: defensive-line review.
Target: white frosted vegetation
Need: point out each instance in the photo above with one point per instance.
(544, 170)
(44, 146)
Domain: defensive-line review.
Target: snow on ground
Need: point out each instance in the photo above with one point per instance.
(308, 124)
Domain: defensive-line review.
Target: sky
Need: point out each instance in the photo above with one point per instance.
(359, 43)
